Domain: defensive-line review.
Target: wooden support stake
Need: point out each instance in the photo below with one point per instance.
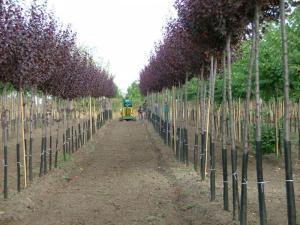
(23, 139)
(206, 138)
(91, 122)
(174, 112)
(276, 131)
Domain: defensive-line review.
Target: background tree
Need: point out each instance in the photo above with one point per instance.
(134, 93)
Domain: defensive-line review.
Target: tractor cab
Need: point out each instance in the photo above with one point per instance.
(127, 112)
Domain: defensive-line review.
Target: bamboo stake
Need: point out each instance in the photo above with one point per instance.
(91, 122)
(232, 130)
(206, 138)
(11, 114)
(180, 117)
(95, 114)
(250, 112)
(4, 124)
(276, 130)
(235, 120)
(244, 192)
(212, 130)
(160, 111)
(186, 148)
(259, 167)
(174, 117)
(196, 147)
(160, 103)
(45, 133)
(23, 139)
(218, 125)
(30, 134)
(239, 119)
(287, 144)
(202, 118)
(224, 137)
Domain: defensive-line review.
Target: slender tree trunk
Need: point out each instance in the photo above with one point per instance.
(207, 128)
(235, 202)
(22, 107)
(67, 135)
(180, 133)
(203, 133)
(42, 141)
(174, 112)
(196, 146)
(18, 144)
(43, 163)
(224, 138)
(11, 118)
(212, 130)
(166, 117)
(30, 134)
(259, 166)
(276, 112)
(46, 122)
(57, 135)
(91, 122)
(72, 127)
(4, 124)
(50, 133)
(94, 114)
(232, 131)
(186, 142)
(15, 115)
(243, 215)
(287, 143)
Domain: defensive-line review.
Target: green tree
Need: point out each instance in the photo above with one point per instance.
(271, 78)
(134, 93)
(294, 52)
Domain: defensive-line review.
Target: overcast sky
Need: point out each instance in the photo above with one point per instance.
(122, 32)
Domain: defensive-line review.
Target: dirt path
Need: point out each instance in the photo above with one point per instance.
(125, 176)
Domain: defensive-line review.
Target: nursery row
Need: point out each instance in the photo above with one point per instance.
(203, 42)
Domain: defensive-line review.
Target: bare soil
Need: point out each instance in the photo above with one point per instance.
(127, 176)
(124, 176)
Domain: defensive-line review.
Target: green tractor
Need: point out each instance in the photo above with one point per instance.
(127, 112)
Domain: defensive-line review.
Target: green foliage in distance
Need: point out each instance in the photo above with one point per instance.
(294, 52)
(134, 93)
(271, 74)
(267, 138)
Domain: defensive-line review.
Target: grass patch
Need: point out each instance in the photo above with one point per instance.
(152, 218)
(188, 206)
(183, 169)
(61, 162)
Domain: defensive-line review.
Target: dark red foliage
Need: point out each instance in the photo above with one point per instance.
(11, 27)
(200, 31)
(173, 60)
(36, 53)
(210, 21)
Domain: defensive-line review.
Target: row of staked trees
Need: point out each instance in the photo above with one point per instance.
(202, 42)
(40, 55)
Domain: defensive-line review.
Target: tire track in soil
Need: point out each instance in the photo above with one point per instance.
(167, 172)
